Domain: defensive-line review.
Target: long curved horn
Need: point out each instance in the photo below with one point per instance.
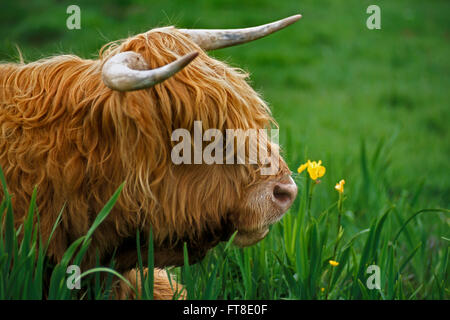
(127, 71)
(210, 39)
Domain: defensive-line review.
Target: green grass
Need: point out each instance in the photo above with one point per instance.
(372, 105)
(293, 261)
(23, 264)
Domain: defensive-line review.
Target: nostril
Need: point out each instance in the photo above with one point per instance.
(282, 194)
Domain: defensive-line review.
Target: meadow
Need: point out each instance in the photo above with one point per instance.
(371, 104)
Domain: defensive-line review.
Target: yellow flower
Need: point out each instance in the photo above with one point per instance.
(315, 169)
(340, 186)
(323, 289)
(302, 167)
(333, 263)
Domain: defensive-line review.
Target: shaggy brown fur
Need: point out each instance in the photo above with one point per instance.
(163, 288)
(63, 130)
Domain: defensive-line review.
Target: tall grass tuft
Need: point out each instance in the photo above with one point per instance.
(23, 264)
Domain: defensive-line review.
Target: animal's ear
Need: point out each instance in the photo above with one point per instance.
(127, 71)
(209, 39)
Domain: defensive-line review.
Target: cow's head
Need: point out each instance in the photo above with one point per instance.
(164, 80)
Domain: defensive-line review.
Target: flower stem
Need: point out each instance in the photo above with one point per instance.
(338, 225)
(311, 187)
(338, 238)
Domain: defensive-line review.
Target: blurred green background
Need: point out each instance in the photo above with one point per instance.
(330, 81)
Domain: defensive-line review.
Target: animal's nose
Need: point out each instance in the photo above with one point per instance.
(284, 193)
